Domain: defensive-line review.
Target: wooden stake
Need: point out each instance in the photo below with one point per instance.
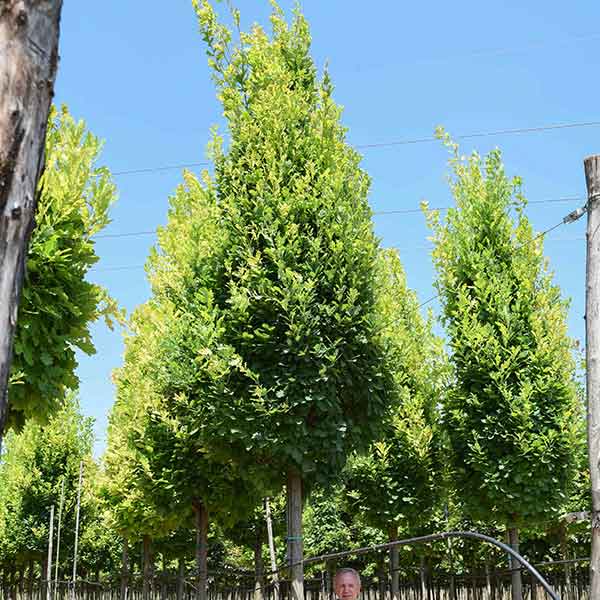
(49, 565)
(592, 356)
(272, 549)
(29, 48)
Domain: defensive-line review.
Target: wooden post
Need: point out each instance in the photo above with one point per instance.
(515, 566)
(294, 539)
(592, 356)
(272, 549)
(201, 515)
(49, 565)
(77, 528)
(395, 564)
(29, 48)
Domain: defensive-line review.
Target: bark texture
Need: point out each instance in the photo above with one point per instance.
(29, 31)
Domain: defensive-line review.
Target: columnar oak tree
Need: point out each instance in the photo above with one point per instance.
(512, 413)
(275, 341)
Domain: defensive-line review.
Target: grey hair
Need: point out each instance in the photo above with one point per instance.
(345, 570)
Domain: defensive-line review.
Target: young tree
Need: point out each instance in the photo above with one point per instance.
(276, 340)
(29, 42)
(511, 414)
(58, 303)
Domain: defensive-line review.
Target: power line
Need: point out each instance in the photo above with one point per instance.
(481, 134)
(403, 211)
(399, 248)
(164, 168)
(127, 234)
(406, 142)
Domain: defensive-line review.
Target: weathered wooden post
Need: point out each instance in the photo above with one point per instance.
(592, 356)
(29, 48)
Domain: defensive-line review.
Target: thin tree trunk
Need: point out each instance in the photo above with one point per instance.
(29, 47)
(201, 515)
(294, 541)
(515, 566)
(124, 570)
(423, 578)
(164, 579)
(147, 550)
(382, 579)
(258, 566)
(180, 578)
(395, 565)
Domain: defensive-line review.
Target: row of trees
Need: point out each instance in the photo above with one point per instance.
(282, 349)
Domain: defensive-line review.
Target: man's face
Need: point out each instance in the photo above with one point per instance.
(347, 587)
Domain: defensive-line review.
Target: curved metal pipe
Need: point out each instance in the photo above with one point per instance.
(431, 538)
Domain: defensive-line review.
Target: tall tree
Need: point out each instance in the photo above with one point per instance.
(29, 44)
(277, 336)
(58, 303)
(512, 413)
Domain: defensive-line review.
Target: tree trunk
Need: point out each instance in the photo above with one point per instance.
(515, 566)
(29, 48)
(423, 578)
(30, 576)
(294, 540)
(164, 580)
(258, 566)
(395, 565)
(124, 570)
(330, 567)
(147, 550)
(201, 515)
(382, 580)
(180, 578)
(592, 358)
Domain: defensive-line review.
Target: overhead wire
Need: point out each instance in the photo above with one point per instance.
(405, 142)
(127, 234)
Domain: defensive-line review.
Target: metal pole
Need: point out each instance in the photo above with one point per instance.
(49, 565)
(77, 529)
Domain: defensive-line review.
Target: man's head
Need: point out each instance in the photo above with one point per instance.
(347, 584)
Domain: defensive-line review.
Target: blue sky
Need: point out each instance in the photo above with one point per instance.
(137, 74)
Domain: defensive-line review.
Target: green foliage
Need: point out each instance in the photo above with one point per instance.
(32, 471)
(58, 304)
(397, 483)
(268, 274)
(511, 413)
